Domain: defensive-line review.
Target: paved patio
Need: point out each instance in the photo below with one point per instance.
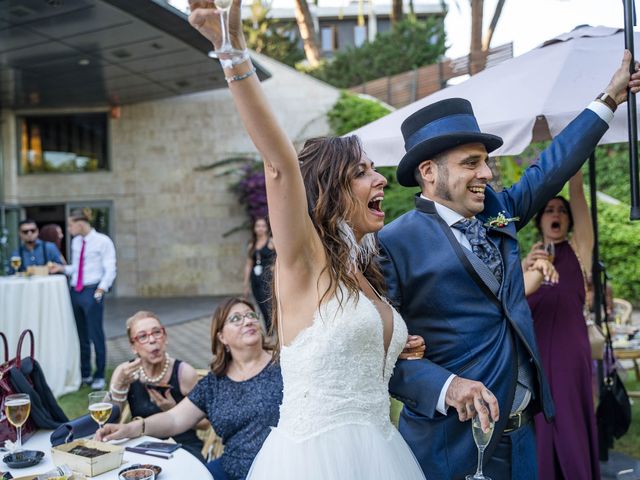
(187, 320)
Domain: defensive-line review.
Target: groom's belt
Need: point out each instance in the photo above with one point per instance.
(518, 420)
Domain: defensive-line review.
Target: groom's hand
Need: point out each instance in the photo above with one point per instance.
(471, 398)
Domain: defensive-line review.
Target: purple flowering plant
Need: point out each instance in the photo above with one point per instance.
(248, 185)
(251, 190)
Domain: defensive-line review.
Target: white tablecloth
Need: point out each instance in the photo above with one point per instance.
(183, 465)
(43, 304)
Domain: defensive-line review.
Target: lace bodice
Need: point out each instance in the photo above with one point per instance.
(335, 372)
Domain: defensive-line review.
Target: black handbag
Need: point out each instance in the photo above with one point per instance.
(614, 409)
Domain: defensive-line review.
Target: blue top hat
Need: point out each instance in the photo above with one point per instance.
(436, 128)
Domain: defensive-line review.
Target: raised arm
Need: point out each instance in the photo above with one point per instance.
(582, 228)
(301, 256)
(568, 151)
(293, 232)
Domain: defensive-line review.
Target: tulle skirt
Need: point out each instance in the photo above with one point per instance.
(353, 452)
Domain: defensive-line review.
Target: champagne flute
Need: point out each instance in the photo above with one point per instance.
(16, 262)
(226, 50)
(100, 406)
(17, 408)
(482, 439)
(550, 250)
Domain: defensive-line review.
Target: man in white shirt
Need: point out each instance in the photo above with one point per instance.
(91, 274)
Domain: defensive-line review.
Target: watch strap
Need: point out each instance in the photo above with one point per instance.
(608, 100)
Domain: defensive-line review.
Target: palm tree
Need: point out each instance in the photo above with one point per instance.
(307, 32)
(479, 47)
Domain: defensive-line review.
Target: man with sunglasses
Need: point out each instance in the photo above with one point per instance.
(32, 250)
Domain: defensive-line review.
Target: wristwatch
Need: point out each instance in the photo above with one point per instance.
(608, 100)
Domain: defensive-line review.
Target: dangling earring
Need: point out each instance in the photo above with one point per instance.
(359, 254)
(347, 236)
(226, 348)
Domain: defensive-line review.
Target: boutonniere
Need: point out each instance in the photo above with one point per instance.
(500, 221)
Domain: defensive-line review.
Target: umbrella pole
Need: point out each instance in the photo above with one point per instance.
(596, 269)
(629, 22)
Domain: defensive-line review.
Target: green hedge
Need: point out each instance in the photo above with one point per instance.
(410, 44)
(351, 112)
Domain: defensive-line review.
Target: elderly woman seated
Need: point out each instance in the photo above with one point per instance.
(241, 395)
(153, 382)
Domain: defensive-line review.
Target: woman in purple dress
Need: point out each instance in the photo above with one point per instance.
(567, 448)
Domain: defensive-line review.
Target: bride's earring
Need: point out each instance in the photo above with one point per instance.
(359, 254)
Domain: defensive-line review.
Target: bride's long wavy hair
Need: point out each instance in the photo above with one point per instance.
(328, 166)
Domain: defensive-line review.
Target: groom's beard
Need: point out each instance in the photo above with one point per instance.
(442, 187)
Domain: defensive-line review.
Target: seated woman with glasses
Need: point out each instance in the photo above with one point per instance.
(153, 382)
(241, 395)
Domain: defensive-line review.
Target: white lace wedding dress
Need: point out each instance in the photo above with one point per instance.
(334, 418)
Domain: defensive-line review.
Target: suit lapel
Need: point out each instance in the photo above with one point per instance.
(427, 207)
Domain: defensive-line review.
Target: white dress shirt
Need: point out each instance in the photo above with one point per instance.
(99, 267)
(451, 217)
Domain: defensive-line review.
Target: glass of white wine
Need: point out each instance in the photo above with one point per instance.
(16, 262)
(17, 408)
(482, 439)
(100, 406)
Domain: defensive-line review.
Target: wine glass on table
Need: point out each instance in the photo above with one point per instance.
(482, 439)
(16, 262)
(17, 408)
(100, 406)
(226, 50)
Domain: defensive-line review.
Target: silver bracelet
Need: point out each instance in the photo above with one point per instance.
(237, 78)
(234, 61)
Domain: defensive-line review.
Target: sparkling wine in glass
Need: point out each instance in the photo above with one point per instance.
(550, 250)
(100, 407)
(17, 408)
(482, 439)
(16, 262)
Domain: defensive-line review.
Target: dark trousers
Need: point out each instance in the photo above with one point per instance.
(515, 456)
(88, 313)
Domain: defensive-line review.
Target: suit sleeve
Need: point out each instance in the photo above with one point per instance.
(556, 165)
(416, 383)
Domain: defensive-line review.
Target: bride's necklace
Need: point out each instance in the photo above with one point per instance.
(147, 379)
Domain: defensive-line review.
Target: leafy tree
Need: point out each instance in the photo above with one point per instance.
(410, 44)
(352, 111)
(265, 35)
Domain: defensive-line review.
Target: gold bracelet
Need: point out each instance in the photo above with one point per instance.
(141, 420)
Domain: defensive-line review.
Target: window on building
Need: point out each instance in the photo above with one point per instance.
(63, 143)
(328, 37)
(359, 35)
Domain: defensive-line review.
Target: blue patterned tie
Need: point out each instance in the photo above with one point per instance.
(484, 249)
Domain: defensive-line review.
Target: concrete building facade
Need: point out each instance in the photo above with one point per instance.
(167, 214)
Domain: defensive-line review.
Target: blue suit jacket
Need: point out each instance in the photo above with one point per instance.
(468, 330)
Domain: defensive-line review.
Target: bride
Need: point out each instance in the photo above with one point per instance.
(339, 339)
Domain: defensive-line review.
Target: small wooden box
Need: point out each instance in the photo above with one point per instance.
(88, 466)
(38, 270)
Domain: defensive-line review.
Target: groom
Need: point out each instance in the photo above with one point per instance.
(453, 270)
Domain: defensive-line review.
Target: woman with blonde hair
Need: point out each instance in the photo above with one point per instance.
(153, 382)
(339, 339)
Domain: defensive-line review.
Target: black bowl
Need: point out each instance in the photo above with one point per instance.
(23, 459)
